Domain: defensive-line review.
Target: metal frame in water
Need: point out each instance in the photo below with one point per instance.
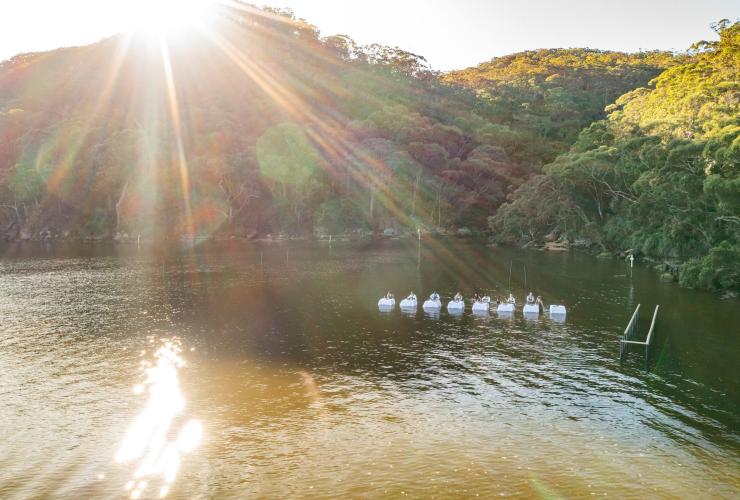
(630, 332)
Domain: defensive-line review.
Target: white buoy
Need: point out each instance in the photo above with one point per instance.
(409, 302)
(557, 309)
(432, 304)
(385, 303)
(505, 308)
(480, 307)
(557, 312)
(456, 306)
(531, 310)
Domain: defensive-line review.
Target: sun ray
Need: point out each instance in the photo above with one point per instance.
(177, 129)
(301, 111)
(72, 151)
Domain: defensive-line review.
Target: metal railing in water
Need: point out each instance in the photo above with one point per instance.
(631, 332)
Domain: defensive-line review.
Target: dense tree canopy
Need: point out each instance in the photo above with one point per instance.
(660, 175)
(260, 125)
(541, 99)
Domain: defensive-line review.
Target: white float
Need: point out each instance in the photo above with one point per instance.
(432, 305)
(385, 303)
(557, 313)
(409, 302)
(557, 310)
(456, 306)
(531, 309)
(480, 307)
(506, 308)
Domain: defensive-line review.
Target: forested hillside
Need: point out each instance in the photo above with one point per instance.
(261, 125)
(258, 126)
(540, 100)
(660, 176)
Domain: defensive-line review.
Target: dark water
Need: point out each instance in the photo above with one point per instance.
(208, 375)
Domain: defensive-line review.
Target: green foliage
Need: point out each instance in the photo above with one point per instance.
(541, 99)
(286, 155)
(339, 216)
(719, 270)
(28, 182)
(275, 129)
(660, 175)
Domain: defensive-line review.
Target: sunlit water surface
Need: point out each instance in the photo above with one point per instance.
(239, 370)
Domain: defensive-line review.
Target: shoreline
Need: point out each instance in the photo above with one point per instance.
(667, 270)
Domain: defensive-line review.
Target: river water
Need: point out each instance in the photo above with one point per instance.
(243, 370)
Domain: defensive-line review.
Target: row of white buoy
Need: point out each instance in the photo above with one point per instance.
(481, 305)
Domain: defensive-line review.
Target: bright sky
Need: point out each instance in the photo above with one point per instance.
(450, 33)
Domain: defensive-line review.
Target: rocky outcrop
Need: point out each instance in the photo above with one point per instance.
(557, 246)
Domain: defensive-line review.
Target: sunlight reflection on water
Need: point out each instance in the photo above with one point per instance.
(148, 439)
(304, 389)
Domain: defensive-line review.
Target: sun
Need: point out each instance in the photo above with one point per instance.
(166, 17)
